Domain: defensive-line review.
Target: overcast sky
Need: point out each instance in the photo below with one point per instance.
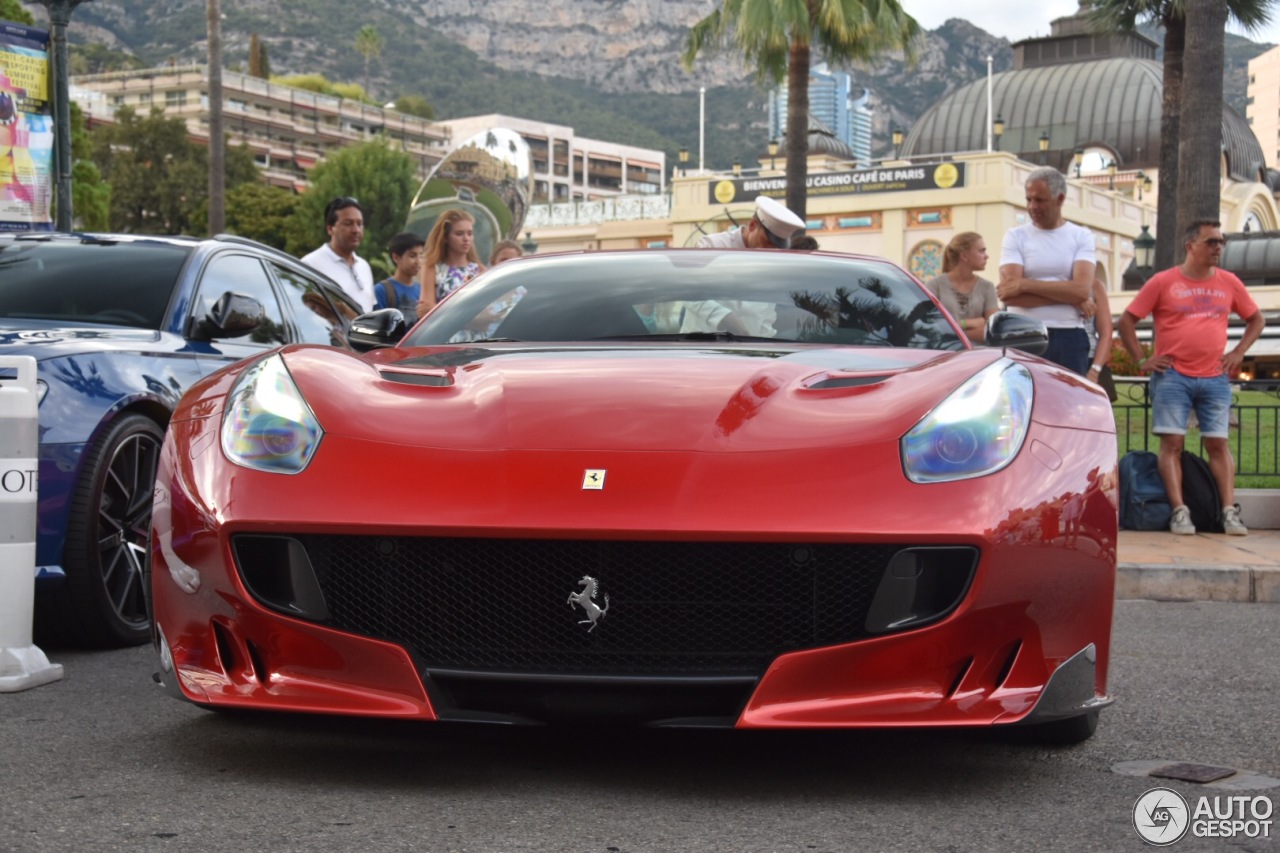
(1019, 20)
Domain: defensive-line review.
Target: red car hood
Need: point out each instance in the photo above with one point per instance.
(629, 397)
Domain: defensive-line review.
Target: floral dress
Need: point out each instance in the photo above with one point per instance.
(449, 279)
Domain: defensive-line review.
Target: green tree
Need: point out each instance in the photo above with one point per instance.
(261, 212)
(90, 196)
(12, 10)
(384, 179)
(317, 83)
(352, 92)
(415, 105)
(779, 39)
(1124, 16)
(369, 45)
(159, 179)
(259, 63)
(320, 85)
(99, 59)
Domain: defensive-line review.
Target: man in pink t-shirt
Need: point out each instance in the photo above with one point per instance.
(1190, 305)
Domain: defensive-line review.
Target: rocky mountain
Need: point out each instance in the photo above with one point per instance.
(609, 68)
(616, 45)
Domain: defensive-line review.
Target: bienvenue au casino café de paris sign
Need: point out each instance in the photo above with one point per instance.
(922, 176)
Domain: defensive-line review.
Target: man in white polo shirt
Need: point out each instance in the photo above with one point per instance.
(1046, 270)
(344, 221)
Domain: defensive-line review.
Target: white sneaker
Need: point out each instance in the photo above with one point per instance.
(1180, 523)
(1231, 524)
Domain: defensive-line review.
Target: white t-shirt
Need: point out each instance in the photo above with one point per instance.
(356, 280)
(1049, 255)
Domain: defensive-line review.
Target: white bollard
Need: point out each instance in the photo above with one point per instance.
(22, 665)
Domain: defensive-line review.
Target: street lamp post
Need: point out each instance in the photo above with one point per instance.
(683, 156)
(217, 140)
(997, 130)
(898, 135)
(59, 17)
(1044, 147)
(529, 246)
(1144, 252)
(773, 155)
(1140, 268)
(1078, 159)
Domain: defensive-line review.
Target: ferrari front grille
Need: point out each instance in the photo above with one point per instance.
(649, 608)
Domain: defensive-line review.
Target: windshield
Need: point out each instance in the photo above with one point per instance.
(693, 295)
(124, 284)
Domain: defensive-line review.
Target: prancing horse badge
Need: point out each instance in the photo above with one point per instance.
(586, 599)
(593, 478)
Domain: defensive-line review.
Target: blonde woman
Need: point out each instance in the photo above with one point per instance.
(451, 260)
(969, 297)
(505, 250)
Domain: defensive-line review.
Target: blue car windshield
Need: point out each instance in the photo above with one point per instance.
(687, 294)
(118, 283)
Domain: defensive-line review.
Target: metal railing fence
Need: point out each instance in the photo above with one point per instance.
(1255, 426)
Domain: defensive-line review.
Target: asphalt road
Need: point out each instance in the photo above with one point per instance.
(104, 761)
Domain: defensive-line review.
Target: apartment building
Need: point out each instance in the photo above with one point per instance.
(568, 167)
(289, 130)
(1263, 109)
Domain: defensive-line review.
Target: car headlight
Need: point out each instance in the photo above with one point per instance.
(267, 425)
(978, 429)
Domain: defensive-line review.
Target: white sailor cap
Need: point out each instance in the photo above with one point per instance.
(781, 225)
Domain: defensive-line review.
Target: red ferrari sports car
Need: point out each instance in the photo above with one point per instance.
(670, 487)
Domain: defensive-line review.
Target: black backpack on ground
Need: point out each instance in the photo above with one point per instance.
(1143, 502)
(1200, 493)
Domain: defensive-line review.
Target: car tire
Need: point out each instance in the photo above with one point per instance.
(1068, 732)
(103, 603)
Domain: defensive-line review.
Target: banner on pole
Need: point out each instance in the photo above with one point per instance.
(26, 130)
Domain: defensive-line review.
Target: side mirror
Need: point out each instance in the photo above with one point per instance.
(232, 315)
(1017, 331)
(383, 328)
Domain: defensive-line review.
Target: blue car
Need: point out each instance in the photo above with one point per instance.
(121, 326)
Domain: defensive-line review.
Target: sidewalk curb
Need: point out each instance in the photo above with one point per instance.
(1252, 584)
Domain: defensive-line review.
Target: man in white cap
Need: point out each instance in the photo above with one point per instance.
(772, 227)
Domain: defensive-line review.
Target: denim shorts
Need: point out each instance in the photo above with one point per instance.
(1173, 396)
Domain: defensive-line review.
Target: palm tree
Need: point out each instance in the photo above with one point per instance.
(1123, 16)
(369, 45)
(779, 38)
(1200, 142)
